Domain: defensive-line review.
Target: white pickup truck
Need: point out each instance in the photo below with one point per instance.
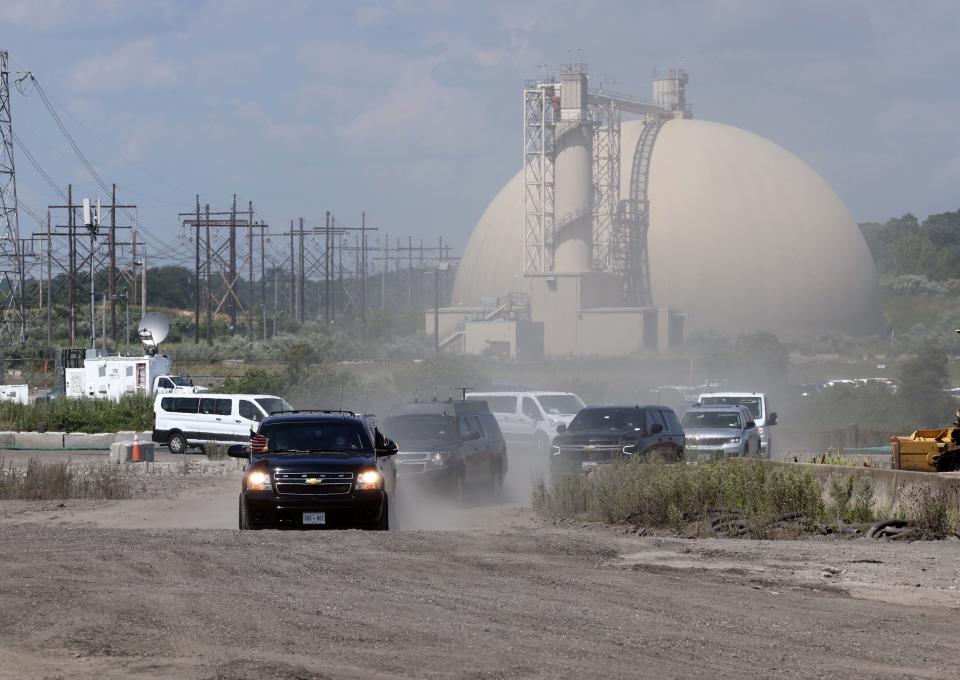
(166, 384)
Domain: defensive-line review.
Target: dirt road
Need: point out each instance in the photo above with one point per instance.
(164, 587)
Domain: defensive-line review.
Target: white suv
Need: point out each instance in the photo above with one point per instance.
(759, 407)
(530, 419)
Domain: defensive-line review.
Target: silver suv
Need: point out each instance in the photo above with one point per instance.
(720, 432)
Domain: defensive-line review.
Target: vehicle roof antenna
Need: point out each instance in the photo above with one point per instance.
(340, 407)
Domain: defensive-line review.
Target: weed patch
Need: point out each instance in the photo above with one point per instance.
(61, 480)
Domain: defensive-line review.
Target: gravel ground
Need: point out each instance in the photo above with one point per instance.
(164, 587)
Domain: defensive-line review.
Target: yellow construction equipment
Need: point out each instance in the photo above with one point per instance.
(928, 450)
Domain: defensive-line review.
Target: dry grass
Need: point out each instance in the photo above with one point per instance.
(676, 496)
(63, 480)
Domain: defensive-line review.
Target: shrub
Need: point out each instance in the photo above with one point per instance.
(930, 511)
(57, 481)
(851, 499)
(132, 412)
(664, 495)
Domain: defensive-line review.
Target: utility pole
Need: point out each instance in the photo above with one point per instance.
(250, 333)
(263, 280)
(209, 278)
(300, 282)
(327, 316)
(232, 301)
(72, 275)
(143, 282)
(293, 277)
(363, 272)
(112, 272)
(196, 278)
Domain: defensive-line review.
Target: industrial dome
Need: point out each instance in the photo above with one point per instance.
(743, 236)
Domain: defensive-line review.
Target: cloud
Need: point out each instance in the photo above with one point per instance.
(292, 134)
(35, 14)
(136, 65)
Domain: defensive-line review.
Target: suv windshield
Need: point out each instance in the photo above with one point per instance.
(180, 381)
(274, 404)
(608, 419)
(560, 404)
(752, 403)
(713, 420)
(421, 430)
(317, 436)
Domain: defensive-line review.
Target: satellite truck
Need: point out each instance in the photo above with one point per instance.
(87, 373)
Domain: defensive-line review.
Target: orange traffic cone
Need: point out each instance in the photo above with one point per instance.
(135, 454)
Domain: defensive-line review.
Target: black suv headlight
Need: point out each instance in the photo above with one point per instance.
(368, 480)
(259, 480)
(554, 450)
(630, 448)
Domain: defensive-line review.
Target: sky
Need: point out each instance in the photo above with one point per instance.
(410, 111)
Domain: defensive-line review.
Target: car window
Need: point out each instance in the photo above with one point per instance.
(489, 424)
(249, 411)
(413, 431)
(332, 436)
(166, 383)
(654, 418)
(613, 418)
(469, 424)
(753, 404)
(694, 419)
(217, 407)
(672, 421)
(179, 404)
(530, 409)
(499, 404)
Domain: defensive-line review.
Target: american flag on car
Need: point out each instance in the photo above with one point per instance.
(258, 443)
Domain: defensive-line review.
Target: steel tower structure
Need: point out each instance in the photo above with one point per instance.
(619, 225)
(13, 326)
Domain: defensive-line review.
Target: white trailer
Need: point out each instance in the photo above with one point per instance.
(113, 377)
(17, 394)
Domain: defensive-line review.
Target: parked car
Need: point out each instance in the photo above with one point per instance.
(604, 434)
(720, 431)
(315, 470)
(449, 445)
(759, 407)
(182, 421)
(529, 420)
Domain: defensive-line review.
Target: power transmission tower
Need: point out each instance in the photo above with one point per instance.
(13, 321)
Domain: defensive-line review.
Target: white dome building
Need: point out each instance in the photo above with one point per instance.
(742, 236)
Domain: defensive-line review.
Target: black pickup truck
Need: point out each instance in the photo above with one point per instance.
(317, 469)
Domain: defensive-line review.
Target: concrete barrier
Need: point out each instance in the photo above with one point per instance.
(891, 487)
(8, 438)
(39, 440)
(82, 440)
(122, 452)
(127, 436)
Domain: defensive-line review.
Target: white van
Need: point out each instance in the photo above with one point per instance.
(759, 407)
(530, 419)
(181, 420)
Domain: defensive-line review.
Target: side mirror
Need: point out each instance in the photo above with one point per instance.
(238, 451)
(561, 428)
(656, 428)
(750, 425)
(471, 436)
(388, 450)
(772, 420)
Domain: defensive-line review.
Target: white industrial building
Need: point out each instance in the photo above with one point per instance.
(618, 236)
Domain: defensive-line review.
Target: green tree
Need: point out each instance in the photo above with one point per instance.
(923, 392)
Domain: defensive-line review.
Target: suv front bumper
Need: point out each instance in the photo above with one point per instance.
(359, 508)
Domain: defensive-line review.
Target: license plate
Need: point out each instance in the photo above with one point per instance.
(314, 518)
(587, 464)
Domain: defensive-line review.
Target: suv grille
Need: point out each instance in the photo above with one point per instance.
(313, 483)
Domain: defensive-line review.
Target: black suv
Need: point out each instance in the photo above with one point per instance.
(452, 445)
(605, 434)
(317, 469)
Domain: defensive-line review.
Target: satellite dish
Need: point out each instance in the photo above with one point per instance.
(153, 329)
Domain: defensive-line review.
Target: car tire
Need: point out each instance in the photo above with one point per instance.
(383, 524)
(496, 480)
(245, 523)
(460, 486)
(177, 444)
